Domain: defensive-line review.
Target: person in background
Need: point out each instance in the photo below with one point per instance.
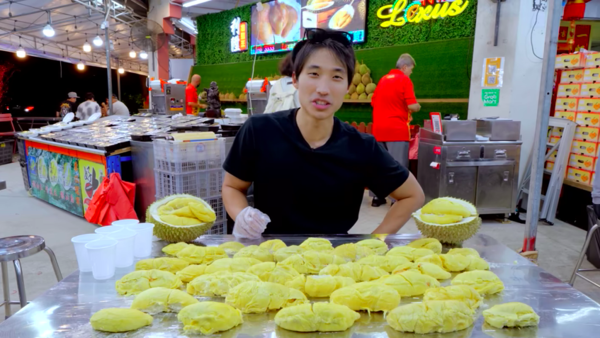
(68, 105)
(393, 103)
(118, 107)
(191, 95)
(283, 95)
(104, 108)
(88, 107)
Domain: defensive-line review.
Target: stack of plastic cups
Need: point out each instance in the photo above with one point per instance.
(124, 251)
(124, 222)
(81, 253)
(143, 239)
(106, 231)
(102, 257)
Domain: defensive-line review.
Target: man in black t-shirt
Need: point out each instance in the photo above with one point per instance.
(68, 105)
(309, 169)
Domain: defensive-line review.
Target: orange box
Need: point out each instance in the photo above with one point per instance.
(554, 140)
(572, 76)
(578, 175)
(552, 157)
(569, 115)
(566, 104)
(569, 90)
(568, 61)
(592, 59)
(591, 75)
(549, 165)
(590, 90)
(588, 119)
(556, 132)
(582, 162)
(588, 105)
(584, 148)
(588, 134)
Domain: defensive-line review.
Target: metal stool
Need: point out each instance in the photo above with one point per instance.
(13, 249)
(580, 260)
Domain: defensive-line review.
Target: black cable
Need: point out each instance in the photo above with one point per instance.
(531, 35)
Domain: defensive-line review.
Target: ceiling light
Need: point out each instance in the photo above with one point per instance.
(81, 65)
(87, 47)
(21, 52)
(194, 2)
(143, 55)
(48, 31)
(97, 41)
(121, 70)
(132, 54)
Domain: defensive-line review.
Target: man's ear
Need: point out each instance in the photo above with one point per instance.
(295, 80)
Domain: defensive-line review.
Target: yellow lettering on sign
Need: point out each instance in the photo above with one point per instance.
(402, 12)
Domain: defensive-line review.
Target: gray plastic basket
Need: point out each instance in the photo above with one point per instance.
(6, 151)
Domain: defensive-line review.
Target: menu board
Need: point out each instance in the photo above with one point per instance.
(341, 15)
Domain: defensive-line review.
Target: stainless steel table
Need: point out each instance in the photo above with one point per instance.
(65, 309)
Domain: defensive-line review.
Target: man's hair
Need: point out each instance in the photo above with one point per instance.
(89, 96)
(286, 67)
(344, 54)
(115, 96)
(405, 60)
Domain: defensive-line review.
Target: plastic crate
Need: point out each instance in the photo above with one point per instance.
(203, 184)
(21, 148)
(220, 228)
(217, 204)
(6, 151)
(185, 157)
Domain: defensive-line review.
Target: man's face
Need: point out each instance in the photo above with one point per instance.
(407, 70)
(322, 84)
(72, 99)
(114, 99)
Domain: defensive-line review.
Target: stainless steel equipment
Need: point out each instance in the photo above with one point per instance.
(167, 98)
(499, 129)
(65, 309)
(484, 173)
(142, 159)
(257, 96)
(459, 130)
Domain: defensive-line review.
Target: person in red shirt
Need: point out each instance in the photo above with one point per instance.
(191, 95)
(393, 103)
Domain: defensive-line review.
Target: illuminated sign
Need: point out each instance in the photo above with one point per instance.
(405, 11)
(239, 35)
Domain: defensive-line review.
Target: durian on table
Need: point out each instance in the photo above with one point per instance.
(162, 263)
(485, 282)
(218, 284)
(209, 317)
(352, 252)
(141, 280)
(409, 283)
(431, 316)
(463, 293)
(367, 296)
(513, 314)
(448, 219)
(259, 297)
(354, 270)
(323, 285)
(311, 262)
(317, 317)
(119, 320)
(376, 245)
(156, 300)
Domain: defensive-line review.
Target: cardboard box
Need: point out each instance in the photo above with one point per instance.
(556, 132)
(588, 105)
(582, 162)
(549, 165)
(569, 115)
(588, 119)
(569, 61)
(588, 89)
(584, 148)
(591, 75)
(554, 140)
(588, 134)
(569, 90)
(552, 157)
(566, 104)
(578, 175)
(572, 76)
(592, 59)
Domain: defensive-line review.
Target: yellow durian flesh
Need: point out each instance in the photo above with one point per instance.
(316, 244)
(485, 282)
(464, 252)
(190, 272)
(443, 206)
(231, 265)
(254, 251)
(323, 285)
(297, 283)
(433, 316)
(433, 259)
(440, 219)
(141, 280)
(273, 245)
(317, 317)
(202, 212)
(463, 293)
(231, 248)
(311, 262)
(209, 317)
(412, 254)
(262, 270)
(283, 253)
(270, 272)
(409, 283)
(173, 249)
(427, 243)
(356, 271)
(376, 245)
(352, 252)
(218, 284)
(157, 300)
(477, 263)
(178, 220)
(513, 314)
(183, 212)
(119, 320)
(162, 263)
(368, 296)
(387, 263)
(424, 268)
(455, 263)
(201, 254)
(259, 297)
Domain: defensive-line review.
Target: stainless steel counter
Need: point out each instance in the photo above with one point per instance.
(65, 309)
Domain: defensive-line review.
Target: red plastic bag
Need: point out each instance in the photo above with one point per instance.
(112, 201)
(413, 148)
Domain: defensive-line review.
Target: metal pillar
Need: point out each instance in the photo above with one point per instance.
(119, 84)
(108, 71)
(543, 115)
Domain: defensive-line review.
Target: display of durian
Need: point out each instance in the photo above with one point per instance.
(448, 219)
(409, 283)
(367, 296)
(194, 254)
(376, 245)
(157, 300)
(410, 253)
(259, 297)
(255, 251)
(429, 269)
(362, 83)
(352, 252)
(485, 282)
(427, 243)
(463, 293)
(218, 284)
(316, 244)
(231, 248)
(119, 320)
(141, 280)
(463, 251)
(356, 271)
(162, 263)
(317, 317)
(180, 218)
(513, 314)
(311, 262)
(433, 316)
(323, 285)
(286, 252)
(271, 272)
(387, 263)
(273, 245)
(209, 317)
(190, 272)
(231, 265)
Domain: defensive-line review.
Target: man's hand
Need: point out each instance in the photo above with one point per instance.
(409, 197)
(250, 223)
(414, 108)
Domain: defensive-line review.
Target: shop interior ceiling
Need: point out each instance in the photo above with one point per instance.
(213, 6)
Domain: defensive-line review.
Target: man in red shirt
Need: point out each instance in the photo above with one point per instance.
(393, 103)
(191, 95)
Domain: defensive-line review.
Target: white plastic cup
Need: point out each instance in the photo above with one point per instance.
(124, 252)
(83, 259)
(124, 222)
(143, 239)
(107, 230)
(102, 257)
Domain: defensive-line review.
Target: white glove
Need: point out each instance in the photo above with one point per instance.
(250, 223)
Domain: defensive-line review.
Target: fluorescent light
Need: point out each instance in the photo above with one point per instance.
(121, 70)
(143, 55)
(97, 41)
(48, 31)
(132, 54)
(80, 65)
(194, 3)
(87, 47)
(21, 52)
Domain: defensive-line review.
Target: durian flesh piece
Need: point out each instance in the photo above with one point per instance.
(273, 245)
(218, 284)
(283, 253)
(412, 254)
(316, 244)
(477, 263)
(424, 268)
(190, 272)
(178, 220)
(173, 249)
(259, 297)
(323, 317)
(445, 206)
(202, 212)
(231, 265)
(162, 263)
(464, 252)
(463, 293)
(427, 243)
(513, 314)
(409, 283)
(440, 219)
(352, 252)
(231, 248)
(376, 245)
(119, 320)
(141, 280)
(323, 285)
(387, 263)
(356, 271)
(368, 296)
(297, 283)
(311, 262)
(201, 254)
(485, 282)
(157, 300)
(433, 259)
(455, 263)
(433, 316)
(254, 251)
(209, 317)
(270, 272)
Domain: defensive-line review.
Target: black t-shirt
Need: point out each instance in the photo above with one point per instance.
(305, 190)
(67, 107)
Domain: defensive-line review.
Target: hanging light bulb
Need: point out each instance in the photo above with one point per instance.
(48, 30)
(81, 65)
(132, 54)
(121, 70)
(21, 51)
(86, 46)
(97, 41)
(143, 55)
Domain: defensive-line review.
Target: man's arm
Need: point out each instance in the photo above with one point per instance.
(193, 104)
(234, 195)
(414, 107)
(409, 197)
